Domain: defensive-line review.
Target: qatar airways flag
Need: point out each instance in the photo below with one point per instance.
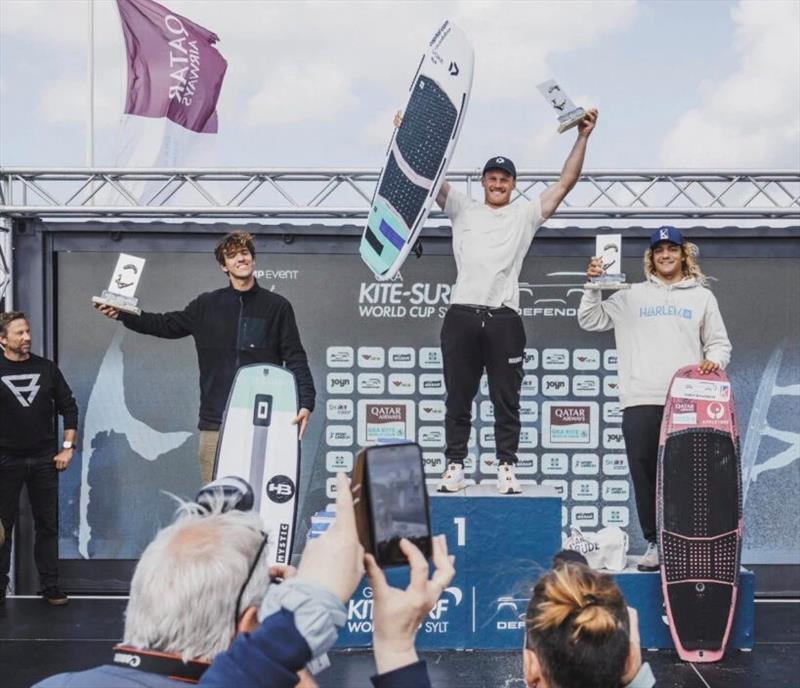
(174, 70)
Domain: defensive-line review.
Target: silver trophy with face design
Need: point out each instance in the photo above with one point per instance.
(568, 113)
(122, 287)
(608, 248)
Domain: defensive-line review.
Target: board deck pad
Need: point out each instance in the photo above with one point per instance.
(419, 151)
(699, 512)
(258, 443)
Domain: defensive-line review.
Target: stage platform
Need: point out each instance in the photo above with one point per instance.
(37, 640)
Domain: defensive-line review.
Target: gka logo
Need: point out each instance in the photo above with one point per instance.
(24, 387)
(280, 489)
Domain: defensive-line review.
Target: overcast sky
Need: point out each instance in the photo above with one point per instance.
(679, 84)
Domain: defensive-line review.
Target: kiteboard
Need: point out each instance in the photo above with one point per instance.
(699, 499)
(419, 152)
(258, 443)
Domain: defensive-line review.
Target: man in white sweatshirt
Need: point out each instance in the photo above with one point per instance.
(660, 325)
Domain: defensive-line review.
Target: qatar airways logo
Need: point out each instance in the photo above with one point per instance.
(185, 55)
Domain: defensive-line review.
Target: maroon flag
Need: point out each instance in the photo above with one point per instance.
(174, 70)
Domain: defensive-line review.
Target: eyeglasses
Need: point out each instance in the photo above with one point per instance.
(253, 566)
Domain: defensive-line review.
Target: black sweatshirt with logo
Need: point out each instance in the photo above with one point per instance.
(232, 329)
(32, 392)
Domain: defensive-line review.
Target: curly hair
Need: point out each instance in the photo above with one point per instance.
(7, 318)
(577, 624)
(689, 265)
(232, 243)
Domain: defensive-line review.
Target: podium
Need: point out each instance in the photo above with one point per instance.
(502, 545)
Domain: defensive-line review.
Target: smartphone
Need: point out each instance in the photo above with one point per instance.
(391, 501)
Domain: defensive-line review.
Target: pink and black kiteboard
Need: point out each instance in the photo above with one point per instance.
(699, 512)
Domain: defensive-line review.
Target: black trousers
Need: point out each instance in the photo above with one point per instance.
(41, 477)
(641, 426)
(474, 338)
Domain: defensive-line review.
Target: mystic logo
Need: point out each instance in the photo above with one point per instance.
(339, 383)
(280, 489)
(24, 387)
(339, 356)
(282, 554)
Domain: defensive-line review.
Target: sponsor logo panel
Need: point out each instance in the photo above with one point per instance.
(610, 359)
(612, 413)
(433, 462)
(706, 390)
(402, 357)
(402, 383)
(339, 383)
(611, 386)
(487, 438)
(555, 385)
(585, 464)
(585, 490)
(385, 420)
(371, 357)
(528, 438)
(615, 464)
(431, 410)
(431, 436)
(530, 386)
(585, 385)
(586, 359)
(487, 412)
(339, 435)
(431, 384)
(339, 356)
(336, 461)
(570, 425)
(616, 491)
(554, 464)
(560, 486)
(528, 411)
(530, 359)
(555, 359)
(616, 516)
(339, 409)
(613, 438)
(585, 516)
(371, 383)
(430, 358)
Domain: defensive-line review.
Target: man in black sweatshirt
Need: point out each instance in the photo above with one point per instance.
(232, 327)
(32, 392)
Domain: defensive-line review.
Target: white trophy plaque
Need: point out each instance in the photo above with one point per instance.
(122, 287)
(569, 114)
(608, 247)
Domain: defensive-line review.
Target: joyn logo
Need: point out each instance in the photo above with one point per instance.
(280, 489)
(555, 385)
(339, 383)
(359, 611)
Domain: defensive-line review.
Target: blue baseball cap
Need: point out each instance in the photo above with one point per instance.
(500, 163)
(666, 233)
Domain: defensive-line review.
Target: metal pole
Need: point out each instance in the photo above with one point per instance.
(90, 80)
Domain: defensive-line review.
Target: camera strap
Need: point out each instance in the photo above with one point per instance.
(161, 663)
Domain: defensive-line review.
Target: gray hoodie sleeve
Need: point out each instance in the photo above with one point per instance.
(714, 336)
(596, 315)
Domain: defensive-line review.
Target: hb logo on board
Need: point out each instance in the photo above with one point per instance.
(280, 489)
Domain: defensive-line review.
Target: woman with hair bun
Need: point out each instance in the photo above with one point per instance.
(580, 634)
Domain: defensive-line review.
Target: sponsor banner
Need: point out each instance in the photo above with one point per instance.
(560, 486)
(431, 436)
(432, 410)
(585, 386)
(339, 409)
(555, 359)
(484, 386)
(402, 384)
(611, 386)
(382, 420)
(371, 357)
(528, 411)
(585, 490)
(612, 413)
(487, 438)
(613, 438)
(526, 463)
(610, 360)
(336, 461)
(585, 516)
(530, 359)
(340, 356)
(330, 488)
(555, 385)
(487, 412)
(371, 383)
(554, 464)
(433, 462)
(616, 490)
(616, 516)
(402, 357)
(586, 359)
(528, 438)
(570, 424)
(706, 390)
(615, 464)
(430, 358)
(530, 386)
(585, 464)
(431, 384)
(339, 383)
(470, 464)
(339, 435)
(488, 463)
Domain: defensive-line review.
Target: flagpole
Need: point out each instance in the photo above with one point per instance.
(90, 80)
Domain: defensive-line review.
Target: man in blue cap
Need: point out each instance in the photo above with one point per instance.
(669, 321)
(482, 328)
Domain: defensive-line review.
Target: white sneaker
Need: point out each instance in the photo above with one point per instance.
(507, 482)
(649, 560)
(453, 479)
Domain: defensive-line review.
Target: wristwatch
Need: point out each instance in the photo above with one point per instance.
(66, 444)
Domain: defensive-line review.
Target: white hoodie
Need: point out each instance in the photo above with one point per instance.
(658, 328)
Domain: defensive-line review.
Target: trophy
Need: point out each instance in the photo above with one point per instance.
(122, 287)
(569, 114)
(609, 249)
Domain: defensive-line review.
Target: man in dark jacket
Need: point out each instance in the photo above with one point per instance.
(32, 392)
(232, 327)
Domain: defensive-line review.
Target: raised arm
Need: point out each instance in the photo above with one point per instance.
(551, 198)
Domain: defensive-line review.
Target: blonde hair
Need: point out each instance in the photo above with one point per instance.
(577, 624)
(689, 265)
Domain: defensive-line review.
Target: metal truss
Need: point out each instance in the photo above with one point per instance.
(339, 194)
